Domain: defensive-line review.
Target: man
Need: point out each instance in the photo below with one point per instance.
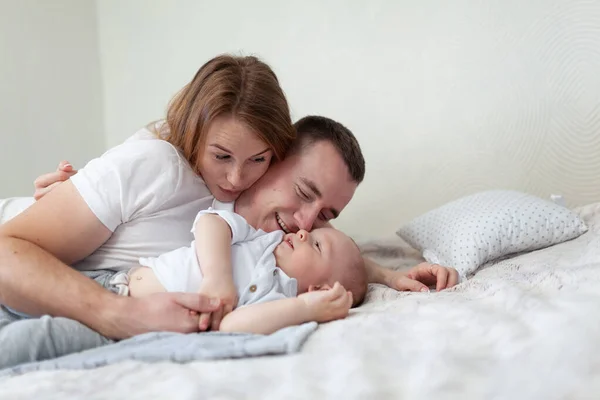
(309, 188)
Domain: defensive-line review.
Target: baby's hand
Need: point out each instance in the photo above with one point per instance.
(327, 304)
(224, 290)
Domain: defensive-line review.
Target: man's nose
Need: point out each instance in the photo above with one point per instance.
(306, 217)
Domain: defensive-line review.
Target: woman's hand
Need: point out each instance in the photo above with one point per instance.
(45, 183)
(327, 304)
(224, 290)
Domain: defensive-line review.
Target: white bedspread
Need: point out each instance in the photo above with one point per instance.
(524, 328)
(10, 207)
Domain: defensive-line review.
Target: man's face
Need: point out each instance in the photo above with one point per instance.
(301, 192)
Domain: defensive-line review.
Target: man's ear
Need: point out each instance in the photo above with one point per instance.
(312, 288)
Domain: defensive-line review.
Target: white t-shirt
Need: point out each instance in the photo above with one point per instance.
(255, 273)
(146, 193)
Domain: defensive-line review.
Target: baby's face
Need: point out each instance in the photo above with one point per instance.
(315, 258)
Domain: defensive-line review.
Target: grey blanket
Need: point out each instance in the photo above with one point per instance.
(179, 348)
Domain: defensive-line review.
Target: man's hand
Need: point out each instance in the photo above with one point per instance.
(45, 183)
(172, 312)
(327, 304)
(222, 289)
(420, 277)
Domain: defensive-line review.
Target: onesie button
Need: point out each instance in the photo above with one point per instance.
(253, 288)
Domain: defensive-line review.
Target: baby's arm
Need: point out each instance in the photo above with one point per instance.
(213, 247)
(266, 318)
(212, 235)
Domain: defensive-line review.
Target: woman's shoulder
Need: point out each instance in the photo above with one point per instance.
(146, 158)
(152, 131)
(146, 150)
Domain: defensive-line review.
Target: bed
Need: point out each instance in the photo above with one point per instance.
(525, 327)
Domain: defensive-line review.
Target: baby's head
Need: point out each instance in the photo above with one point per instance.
(322, 257)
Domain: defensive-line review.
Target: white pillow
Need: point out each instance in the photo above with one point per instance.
(10, 207)
(476, 229)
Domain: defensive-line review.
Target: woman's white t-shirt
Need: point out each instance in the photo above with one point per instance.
(146, 193)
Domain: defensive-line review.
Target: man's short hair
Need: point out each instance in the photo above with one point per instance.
(313, 129)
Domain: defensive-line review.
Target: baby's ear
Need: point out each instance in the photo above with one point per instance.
(312, 288)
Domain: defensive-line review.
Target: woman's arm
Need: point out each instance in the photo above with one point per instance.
(37, 245)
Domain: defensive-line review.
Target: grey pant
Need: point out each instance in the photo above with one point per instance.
(24, 340)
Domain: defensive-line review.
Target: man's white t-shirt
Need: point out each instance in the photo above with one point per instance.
(146, 193)
(255, 273)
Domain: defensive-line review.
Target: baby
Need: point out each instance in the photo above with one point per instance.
(280, 279)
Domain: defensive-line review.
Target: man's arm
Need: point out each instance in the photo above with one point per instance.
(385, 276)
(416, 279)
(35, 247)
(375, 272)
(60, 229)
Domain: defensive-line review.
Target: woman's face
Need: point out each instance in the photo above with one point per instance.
(234, 157)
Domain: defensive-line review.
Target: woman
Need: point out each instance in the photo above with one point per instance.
(220, 134)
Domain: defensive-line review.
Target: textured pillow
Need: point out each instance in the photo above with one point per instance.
(476, 229)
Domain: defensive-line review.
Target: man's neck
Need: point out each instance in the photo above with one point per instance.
(242, 205)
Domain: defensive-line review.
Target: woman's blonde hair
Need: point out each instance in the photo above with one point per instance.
(242, 87)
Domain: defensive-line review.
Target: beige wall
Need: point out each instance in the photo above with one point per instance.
(50, 89)
(446, 98)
